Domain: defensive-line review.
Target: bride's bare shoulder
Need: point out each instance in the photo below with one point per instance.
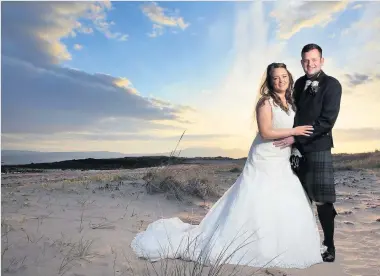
(263, 101)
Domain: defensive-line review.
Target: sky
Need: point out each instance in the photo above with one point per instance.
(131, 77)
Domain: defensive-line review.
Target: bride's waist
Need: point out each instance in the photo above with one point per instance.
(266, 148)
(270, 149)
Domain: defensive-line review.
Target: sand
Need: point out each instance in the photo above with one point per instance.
(82, 222)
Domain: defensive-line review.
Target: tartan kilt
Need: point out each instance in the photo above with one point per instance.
(317, 176)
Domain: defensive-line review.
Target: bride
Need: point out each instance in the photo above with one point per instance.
(265, 217)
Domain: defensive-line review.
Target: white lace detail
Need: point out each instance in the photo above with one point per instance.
(266, 210)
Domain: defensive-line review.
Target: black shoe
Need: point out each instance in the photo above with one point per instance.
(329, 255)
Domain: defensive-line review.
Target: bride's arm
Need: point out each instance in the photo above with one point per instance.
(264, 122)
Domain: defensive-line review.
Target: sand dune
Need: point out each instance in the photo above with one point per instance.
(82, 222)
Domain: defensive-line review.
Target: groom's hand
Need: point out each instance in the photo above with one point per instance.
(285, 142)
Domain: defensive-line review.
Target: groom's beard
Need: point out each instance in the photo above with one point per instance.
(315, 74)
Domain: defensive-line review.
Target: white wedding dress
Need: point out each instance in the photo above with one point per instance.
(263, 219)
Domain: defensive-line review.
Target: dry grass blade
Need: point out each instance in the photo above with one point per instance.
(368, 160)
(167, 180)
(161, 181)
(200, 250)
(77, 252)
(5, 229)
(180, 181)
(179, 141)
(15, 264)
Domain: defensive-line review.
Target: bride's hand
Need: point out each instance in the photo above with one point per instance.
(303, 130)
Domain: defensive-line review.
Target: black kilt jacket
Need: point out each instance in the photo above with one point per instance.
(319, 110)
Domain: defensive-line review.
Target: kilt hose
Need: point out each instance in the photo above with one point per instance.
(317, 176)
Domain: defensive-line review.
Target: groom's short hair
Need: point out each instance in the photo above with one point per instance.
(310, 47)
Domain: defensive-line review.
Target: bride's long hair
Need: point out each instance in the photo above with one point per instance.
(267, 89)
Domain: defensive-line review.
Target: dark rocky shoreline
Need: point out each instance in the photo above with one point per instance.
(341, 162)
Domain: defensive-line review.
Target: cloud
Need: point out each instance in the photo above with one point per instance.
(253, 49)
(83, 29)
(78, 47)
(357, 134)
(57, 99)
(359, 79)
(357, 6)
(162, 104)
(162, 17)
(42, 26)
(41, 97)
(110, 137)
(293, 16)
(234, 97)
(98, 16)
(48, 106)
(157, 30)
(363, 39)
(112, 141)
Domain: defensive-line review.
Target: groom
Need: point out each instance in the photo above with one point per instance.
(317, 98)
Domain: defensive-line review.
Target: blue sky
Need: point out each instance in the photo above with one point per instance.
(177, 56)
(182, 55)
(121, 75)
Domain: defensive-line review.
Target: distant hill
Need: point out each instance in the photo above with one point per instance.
(96, 164)
(212, 152)
(341, 162)
(17, 157)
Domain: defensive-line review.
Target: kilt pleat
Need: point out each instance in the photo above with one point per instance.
(317, 176)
